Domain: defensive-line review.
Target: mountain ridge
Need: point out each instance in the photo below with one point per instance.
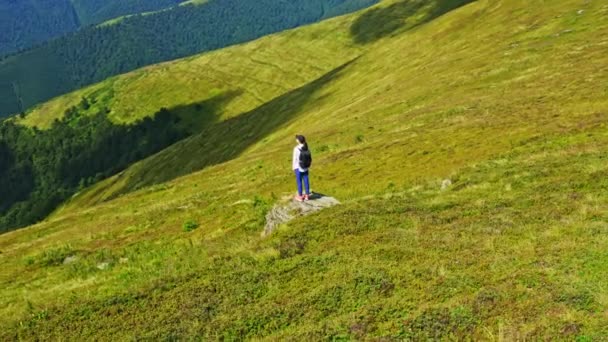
(96, 53)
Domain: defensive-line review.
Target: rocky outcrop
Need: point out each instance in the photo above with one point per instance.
(289, 208)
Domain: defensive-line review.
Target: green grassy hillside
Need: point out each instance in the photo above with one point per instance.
(97, 52)
(72, 152)
(259, 71)
(507, 99)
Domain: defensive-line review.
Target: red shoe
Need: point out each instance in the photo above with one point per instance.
(299, 198)
(307, 197)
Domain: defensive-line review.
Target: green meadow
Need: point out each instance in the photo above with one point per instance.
(506, 99)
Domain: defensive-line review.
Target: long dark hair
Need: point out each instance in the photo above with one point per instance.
(302, 141)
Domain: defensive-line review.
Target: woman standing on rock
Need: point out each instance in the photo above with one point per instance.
(302, 160)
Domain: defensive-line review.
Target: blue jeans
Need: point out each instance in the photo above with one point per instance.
(302, 177)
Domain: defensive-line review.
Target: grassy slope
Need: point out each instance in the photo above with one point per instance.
(248, 71)
(505, 98)
(34, 76)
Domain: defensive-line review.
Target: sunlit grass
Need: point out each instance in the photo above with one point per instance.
(506, 99)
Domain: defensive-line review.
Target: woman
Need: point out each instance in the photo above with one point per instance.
(302, 160)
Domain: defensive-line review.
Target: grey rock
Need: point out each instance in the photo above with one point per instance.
(70, 260)
(289, 209)
(104, 265)
(446, 184)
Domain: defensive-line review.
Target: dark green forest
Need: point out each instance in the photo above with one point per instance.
(26, 23)
(97, 11)
(39, 169)
(96, 53)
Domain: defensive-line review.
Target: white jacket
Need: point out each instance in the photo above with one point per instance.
(296, 158)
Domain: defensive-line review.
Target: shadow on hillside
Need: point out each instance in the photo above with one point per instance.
(39, 169)
(197, 116)
(222, 141)
(378, 23)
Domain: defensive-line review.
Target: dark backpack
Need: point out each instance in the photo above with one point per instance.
(305, 159)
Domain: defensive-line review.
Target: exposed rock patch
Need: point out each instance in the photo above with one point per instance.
(104, 265)
(289, 208)
(70, 259)
(446, 184)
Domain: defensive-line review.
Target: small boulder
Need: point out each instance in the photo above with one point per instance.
(446, 184)
(289, 209)
(104, 265)
(70, 259)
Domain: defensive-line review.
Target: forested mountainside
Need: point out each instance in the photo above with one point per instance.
(25, 23)
(41, 169)
(95, 53)
(96, 11)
